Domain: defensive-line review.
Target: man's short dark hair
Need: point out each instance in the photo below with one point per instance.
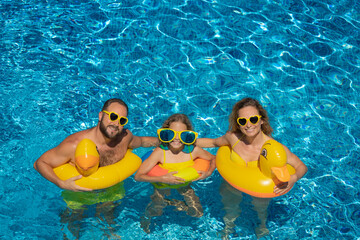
(114, 100)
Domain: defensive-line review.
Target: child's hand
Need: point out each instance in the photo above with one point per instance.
(202, 174)
(169, 178)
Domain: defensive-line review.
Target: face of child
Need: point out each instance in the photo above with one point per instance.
(177, 126)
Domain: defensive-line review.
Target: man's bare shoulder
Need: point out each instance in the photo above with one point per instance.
(128, 133)
(73, 140)
(128, 136)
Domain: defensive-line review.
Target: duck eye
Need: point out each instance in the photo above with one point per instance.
(264, 153)
(97, 150)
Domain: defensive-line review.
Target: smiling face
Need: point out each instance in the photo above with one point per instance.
(249, 129)
(176, 143)
(112, 129)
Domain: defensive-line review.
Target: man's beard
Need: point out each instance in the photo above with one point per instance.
(103, 130)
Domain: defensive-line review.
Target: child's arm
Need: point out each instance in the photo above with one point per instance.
(149, 163)
(203, 154)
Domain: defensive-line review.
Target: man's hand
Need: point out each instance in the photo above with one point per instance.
(70, 184)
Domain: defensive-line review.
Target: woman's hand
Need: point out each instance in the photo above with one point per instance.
(283, 188)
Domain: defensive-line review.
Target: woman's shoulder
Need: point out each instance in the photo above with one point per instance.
(229, 134)
(232, 137)
(267, 138)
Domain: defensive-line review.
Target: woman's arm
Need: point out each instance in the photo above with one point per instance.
(300, 169)
(214, 142)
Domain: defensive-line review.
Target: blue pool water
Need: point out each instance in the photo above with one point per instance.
(60, 60)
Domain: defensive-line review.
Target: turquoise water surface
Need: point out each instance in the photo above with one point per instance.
(61, 60)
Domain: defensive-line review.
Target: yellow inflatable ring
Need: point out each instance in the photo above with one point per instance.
(104, 177)
(188, 174)
(256, 181)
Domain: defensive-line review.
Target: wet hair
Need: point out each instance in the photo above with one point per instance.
(114, 100)
(234, 126)
(178, 117)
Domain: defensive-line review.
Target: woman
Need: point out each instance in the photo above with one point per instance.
(176, 152)
(249, 129)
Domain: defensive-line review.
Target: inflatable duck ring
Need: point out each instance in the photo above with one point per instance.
(95, 177)
(258, 181)
(188, 174)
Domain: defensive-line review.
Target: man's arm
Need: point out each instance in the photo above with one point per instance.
(55, 157)
(137, 142)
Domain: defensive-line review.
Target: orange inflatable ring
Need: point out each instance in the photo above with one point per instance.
(189, 173)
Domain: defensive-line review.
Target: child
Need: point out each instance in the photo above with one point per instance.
(176, 152)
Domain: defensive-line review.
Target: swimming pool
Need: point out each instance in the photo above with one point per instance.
(60, 62)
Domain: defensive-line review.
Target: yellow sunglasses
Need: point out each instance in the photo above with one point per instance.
(187, 137)
(253, 120)
(114, 116)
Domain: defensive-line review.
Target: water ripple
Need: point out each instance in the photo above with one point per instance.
(60, 61)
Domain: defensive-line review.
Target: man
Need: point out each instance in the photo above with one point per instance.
(112, 141)
(110, 137)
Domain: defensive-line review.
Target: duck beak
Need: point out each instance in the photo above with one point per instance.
(87, 172)
(87, 165)
(282, 173)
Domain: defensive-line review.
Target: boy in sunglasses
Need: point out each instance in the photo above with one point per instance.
(176, 152)
(112, 140)
(249, 129)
